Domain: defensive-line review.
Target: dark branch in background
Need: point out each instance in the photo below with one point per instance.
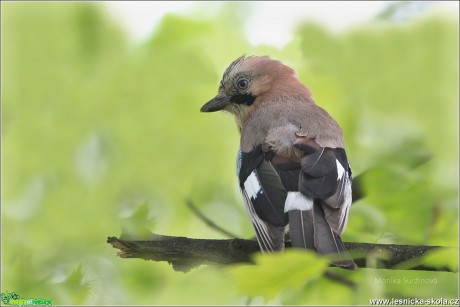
(186, 253)
(358, 189)
(207, 221)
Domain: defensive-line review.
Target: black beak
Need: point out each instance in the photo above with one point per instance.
(215, 104)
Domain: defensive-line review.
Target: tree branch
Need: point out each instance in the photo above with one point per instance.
(186, 253)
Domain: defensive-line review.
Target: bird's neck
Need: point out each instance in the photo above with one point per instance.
(241, 116)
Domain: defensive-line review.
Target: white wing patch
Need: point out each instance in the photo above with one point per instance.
(252, 186)
(297, 201)
(340, 170)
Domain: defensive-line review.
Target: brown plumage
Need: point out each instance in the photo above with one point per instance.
(292, 165)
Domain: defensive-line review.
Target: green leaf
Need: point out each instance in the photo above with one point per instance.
(272, 273)
(74, 290)
(138, 224)
(318, 292)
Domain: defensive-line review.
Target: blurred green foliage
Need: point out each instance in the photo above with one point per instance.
(99, 135)
(272, 278)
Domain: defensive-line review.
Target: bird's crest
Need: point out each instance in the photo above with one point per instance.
(237, 63)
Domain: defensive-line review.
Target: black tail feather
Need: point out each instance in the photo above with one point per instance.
(301, 229)
(327, 242)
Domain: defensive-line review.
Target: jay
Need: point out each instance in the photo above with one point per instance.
(292, 167)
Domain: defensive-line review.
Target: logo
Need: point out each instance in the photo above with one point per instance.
(13, 299)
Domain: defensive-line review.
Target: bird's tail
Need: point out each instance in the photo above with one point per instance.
(309, 229)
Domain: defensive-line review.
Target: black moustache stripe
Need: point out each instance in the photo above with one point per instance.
(245, 99)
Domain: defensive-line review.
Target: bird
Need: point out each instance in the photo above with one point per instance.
(292, 166)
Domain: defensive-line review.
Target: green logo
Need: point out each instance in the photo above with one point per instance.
(13, 299)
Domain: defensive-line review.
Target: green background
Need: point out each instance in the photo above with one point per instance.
(100, 134)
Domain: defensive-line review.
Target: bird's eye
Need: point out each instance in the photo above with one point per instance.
(242, 84)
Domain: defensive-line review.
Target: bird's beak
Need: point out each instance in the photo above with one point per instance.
(215, 104)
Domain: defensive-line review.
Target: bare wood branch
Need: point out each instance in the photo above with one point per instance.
(186, 253)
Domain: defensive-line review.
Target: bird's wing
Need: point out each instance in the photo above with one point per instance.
(319, 191)
(326, 175)
(264, 197)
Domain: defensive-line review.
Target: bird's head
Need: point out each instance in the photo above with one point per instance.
(249, 81)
